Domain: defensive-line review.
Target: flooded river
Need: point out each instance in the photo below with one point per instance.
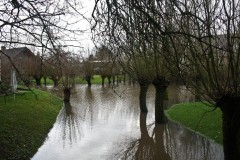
(106, 124)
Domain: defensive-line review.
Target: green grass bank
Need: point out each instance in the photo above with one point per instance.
(25, 122)
(95, 80)
(199, 117)
(79, 80)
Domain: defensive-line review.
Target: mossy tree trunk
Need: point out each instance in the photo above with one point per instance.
(143, 96)
(230, 107)
(160, 85)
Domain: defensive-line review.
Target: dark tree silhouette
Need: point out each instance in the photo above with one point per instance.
(201, 45)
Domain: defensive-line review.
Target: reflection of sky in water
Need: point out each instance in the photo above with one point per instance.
(100, 124)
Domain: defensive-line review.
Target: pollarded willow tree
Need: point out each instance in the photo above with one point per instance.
(63, 67)
(70, 71)
(204, 37)
(139, 48)
(138, 65)
(211, 60)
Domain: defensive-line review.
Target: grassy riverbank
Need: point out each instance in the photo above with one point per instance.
(79, 80)
(25, 122)
(190, 114)
(95, 80)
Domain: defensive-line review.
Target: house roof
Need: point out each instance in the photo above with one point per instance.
(12, 53)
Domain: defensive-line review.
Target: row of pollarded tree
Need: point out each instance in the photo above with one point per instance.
(196, 40)
(25, 24)
(137, 48)
(103, 64)
(57, 65)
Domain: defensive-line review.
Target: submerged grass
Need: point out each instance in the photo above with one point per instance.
(198, 117)
(25, 122)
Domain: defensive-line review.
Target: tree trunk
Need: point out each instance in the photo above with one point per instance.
(129, 79)
(159, 142)
(114, 79)
(230, 107)
(88, 79)
(67, 94)
(89, 82)
(124, 79)
(160, 85)
(103, 78)
(145, 147)
(45, 81)
(68, 108)
(109, 80)
(117, 79)
(143, 124)
(55, 82)
(38, 82)
(120, 79)
(143, 96)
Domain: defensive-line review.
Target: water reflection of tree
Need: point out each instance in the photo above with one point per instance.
(69, 125)
(90, 104)
(147, 147)
(169, 141)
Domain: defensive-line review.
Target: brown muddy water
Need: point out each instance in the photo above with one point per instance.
(106, 124)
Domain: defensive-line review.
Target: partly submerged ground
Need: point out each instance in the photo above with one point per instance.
(198, 117)
(25, 122)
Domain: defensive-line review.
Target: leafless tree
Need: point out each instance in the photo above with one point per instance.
(202, 44)
(39, 24)
(139, 48)
(52, 66)
(88, 69)
(33, 23)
